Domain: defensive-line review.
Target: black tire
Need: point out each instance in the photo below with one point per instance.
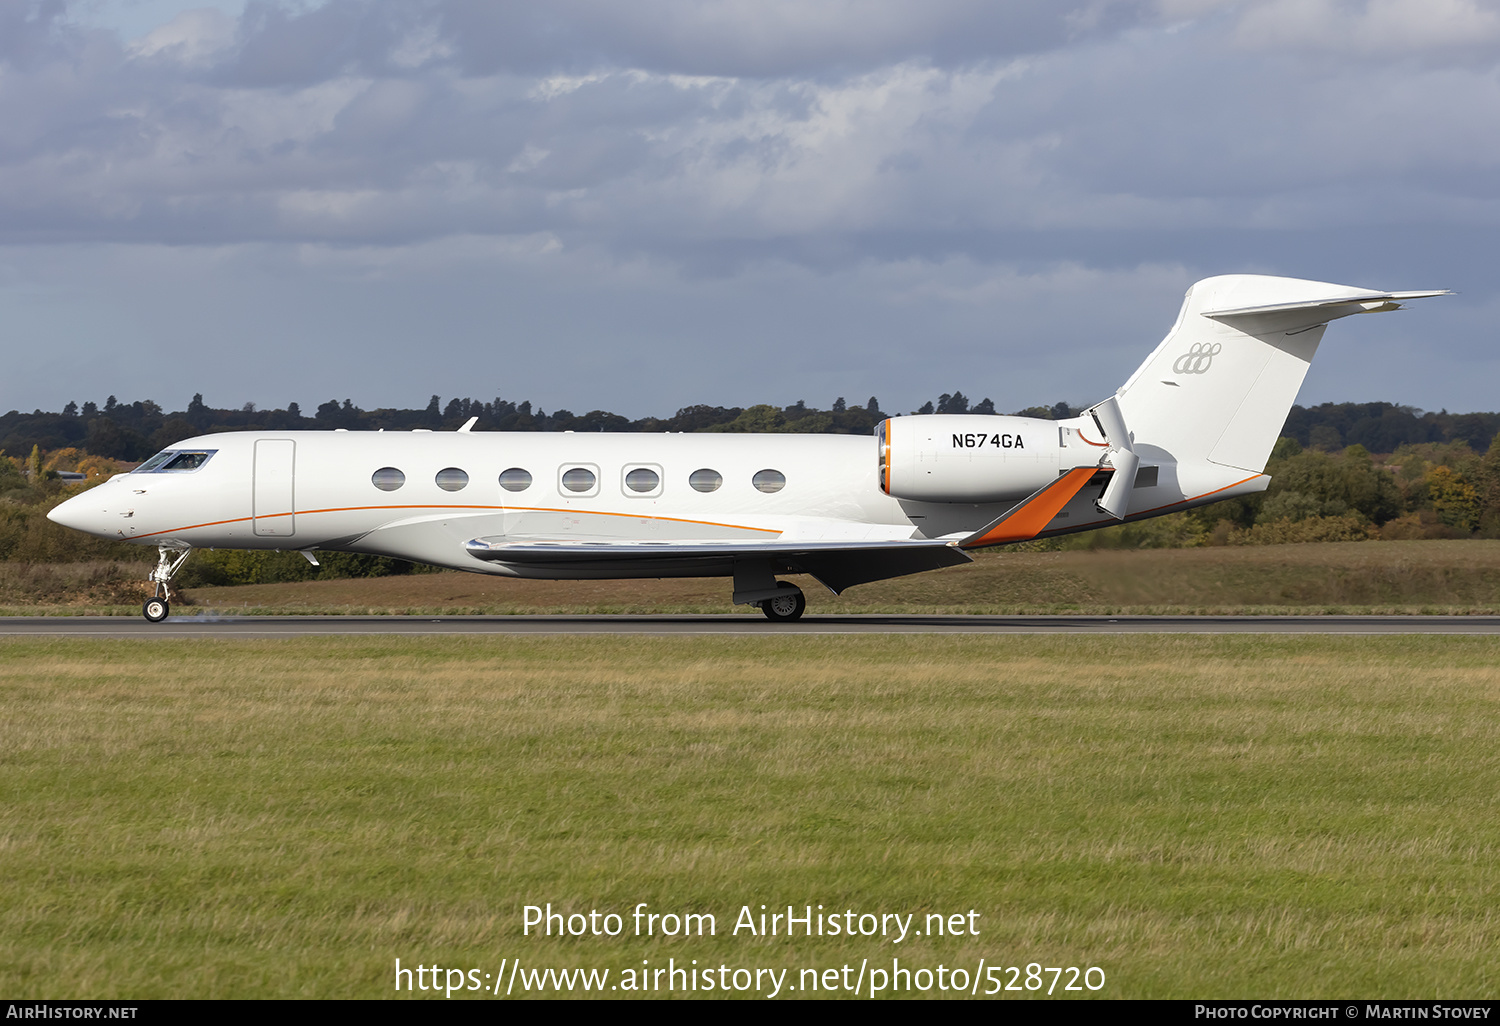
(786, 607)
(156, 609)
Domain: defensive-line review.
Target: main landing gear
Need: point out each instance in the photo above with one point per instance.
(787, 606)
(168, 562)
(755, 584)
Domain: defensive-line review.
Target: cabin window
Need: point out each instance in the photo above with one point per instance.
(705, 480)
(769, 480)
(579, 480)
(515, 479)
(451, 479)
(643, 480)
(388, 479)
(176, 461)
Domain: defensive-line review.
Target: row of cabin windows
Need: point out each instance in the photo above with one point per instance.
(641, 480)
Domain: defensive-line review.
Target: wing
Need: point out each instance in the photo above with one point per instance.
(837, 564)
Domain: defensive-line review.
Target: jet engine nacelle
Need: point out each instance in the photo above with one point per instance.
(958, 458)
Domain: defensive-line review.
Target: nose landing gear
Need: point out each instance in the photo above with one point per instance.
(168, 562)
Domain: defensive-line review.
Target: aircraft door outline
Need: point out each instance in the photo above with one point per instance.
(273, 503)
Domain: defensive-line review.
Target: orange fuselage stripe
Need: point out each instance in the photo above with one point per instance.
(498, 509)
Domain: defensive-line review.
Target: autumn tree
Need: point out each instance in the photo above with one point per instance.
(1454, 500)
(1488, 484)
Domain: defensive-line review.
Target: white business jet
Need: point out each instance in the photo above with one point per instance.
(1193, 425)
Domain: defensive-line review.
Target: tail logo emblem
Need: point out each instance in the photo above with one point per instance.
(1197, 359)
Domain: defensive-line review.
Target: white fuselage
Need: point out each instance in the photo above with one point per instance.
(317, 490)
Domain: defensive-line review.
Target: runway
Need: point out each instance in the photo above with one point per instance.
(209, 626)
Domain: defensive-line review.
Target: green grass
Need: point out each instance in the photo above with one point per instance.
(1198, 816)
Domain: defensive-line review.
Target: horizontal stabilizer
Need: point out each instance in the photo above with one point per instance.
(1301, 314)
(1360, 297)
(837, 564)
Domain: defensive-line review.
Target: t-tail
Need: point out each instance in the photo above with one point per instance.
(1196, 422)
(1218, 388)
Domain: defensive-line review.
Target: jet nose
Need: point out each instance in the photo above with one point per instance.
(81, 513)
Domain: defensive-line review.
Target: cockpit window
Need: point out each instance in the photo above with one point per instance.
(176, 461)
(155, 461)
(189, 460)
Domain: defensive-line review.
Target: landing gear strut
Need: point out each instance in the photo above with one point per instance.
(168, 562)
(787, 606)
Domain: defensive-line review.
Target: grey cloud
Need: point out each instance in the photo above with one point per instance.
(29, 30)
(582, 328)
(464, 194)
(764, 38)
(364, 124)
(562, 327)
(1372, 28)
(1235, 128)
(281, 46)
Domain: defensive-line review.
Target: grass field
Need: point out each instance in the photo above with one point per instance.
(1392, 577)
(1196, 816)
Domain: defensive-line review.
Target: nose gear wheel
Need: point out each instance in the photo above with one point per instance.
(168, 562)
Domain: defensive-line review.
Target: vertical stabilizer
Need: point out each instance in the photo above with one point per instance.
(1220, 385)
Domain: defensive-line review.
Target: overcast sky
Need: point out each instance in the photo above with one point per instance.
(638, 206)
